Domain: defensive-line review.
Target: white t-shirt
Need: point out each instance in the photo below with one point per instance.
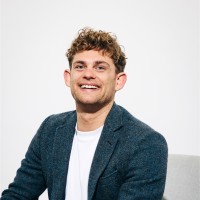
(82, 153)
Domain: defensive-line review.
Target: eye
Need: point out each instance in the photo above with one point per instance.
(100, 68)
(79, 67)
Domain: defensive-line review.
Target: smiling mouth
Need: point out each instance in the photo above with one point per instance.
(89, 87)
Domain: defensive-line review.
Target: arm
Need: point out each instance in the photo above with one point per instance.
(29, 182)
(146, 174)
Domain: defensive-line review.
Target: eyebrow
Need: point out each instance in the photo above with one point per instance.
(79, 62)
(95, 63)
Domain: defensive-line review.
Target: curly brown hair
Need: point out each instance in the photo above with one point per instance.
(88, 39)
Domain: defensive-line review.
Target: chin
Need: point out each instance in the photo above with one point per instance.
(89, 102)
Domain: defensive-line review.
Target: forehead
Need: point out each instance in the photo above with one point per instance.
(92, 56)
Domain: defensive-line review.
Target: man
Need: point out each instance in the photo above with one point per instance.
(99, 151)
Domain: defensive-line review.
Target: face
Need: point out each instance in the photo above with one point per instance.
(93, 79)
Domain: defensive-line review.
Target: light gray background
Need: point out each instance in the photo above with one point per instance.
(161, 40)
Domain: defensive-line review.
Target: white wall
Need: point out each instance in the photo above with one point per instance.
(0, 97)
(161, 42)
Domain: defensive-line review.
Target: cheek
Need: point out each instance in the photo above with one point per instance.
(73, 79)
(72, 84)
(111, 85)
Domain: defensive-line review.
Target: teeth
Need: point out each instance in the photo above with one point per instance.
(89, 86)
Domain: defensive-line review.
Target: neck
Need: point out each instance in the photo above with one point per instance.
(89, 119)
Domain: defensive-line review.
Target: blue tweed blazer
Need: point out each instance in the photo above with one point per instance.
(130, 160)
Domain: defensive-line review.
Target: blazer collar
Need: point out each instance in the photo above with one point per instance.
(62, 149)
(105, 147)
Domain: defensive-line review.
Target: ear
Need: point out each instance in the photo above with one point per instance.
(120, 81)
(67, 77)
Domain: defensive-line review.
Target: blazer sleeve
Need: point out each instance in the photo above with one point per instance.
(29, 182)
(146, 174)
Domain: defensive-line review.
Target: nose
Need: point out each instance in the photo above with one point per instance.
(89, 74)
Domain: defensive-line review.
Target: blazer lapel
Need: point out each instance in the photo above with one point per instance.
(105, 147)
(62, 149)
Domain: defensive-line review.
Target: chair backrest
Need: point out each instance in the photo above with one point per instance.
(183, 178)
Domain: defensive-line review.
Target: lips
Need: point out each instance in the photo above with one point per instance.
(89, 86)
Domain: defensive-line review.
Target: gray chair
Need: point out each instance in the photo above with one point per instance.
(183, 178)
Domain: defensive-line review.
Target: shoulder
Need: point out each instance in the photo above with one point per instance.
(49, 126)
(132, 123)
(44, 138)
(139, 146)
(60, 119)
(138, 132)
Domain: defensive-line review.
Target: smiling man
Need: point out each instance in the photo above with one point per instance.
(99, 151)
